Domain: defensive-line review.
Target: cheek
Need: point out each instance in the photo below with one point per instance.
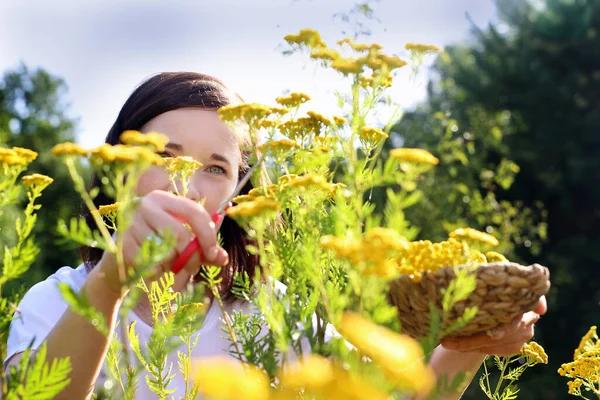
(154, 178)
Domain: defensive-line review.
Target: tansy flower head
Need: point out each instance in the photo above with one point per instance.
(347, 66)
(319, 117)
(588, 342)
(25, 154)
(10, 157)
(258, 206)
(324, 53)
(400, 356)
(318, 376)
(293, 99)
(37, 181)
(359, 46)
(307, 37)
(156, 140)
(243, 198)
(493, 256)
(310, 181)
(69, 149)
(373, 135)
(180, 165)
(225, 379)
(474, 235)
(535, 353)
(301, 128)
(392, 62)
(278, 147)
(285, 179)
(250, 113)
(422, 49)
(108, 209)
(419, 156)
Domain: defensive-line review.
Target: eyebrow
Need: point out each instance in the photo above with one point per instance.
(174, 146)
(218, 157)
(213, 156)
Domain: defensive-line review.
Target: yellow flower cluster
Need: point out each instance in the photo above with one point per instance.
(293, 99)
(425, 256)
(493, 256)
(69, 149)
(243, 198)
(474, 235)
(381, 80)
(16, 156)
(419, 156)
(123, 154)
(324, 53)
(156, 140)
(301, 128)
(359, 46)
(420, 48)
(585, 367)
(181, 165)
(269, 191)
(373, 135)
(256, 207)
(326, 143)
(108, 210)
(400, 356)
(278, 147)
(307, 182)
(37, 181)
(316, 376)
(226, 379)
(374, 253)
(348, 66)
(535, 353)
(307, 37)
(248, 112)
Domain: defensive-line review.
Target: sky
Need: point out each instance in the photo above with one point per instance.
(104, 48)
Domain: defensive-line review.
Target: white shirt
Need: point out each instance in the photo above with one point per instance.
(43, 305)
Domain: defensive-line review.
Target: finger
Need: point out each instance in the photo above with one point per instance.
(198, 219)
(468, 343)
(542, 306)
(503, 350)
(159, 223)
(528, 319)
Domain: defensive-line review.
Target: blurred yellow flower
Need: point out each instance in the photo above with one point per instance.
(310, 181)
(414, 155)
(422, 49)
(588, 342)
(38, 181)
(250, 113)
(69, 149)
(123, 154)
(181, 165)
(474, 235)
(109, 209)
(400, 356)
(301, 128)
(347, 66)
(374, 135)
(26, 154)
(278, 147)
(243, 198)
(256, 207)
(293, 99)
(359, 46)
(319, 117)
(156, 140)
(493, 256)
(226, 379)
(320, 377)
(307, 37)
(324, 53)
(10, 157)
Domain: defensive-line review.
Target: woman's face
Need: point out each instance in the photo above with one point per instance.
(201, 135)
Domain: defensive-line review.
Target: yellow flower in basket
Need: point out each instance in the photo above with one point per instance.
(474, 235)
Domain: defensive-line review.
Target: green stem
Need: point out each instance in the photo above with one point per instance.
(502, 371)
(80, 187)
(487, 376)
(227, 322)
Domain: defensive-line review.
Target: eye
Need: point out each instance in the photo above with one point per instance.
(166, 154)
(215, 169)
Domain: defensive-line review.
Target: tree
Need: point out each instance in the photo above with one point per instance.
(33, 114)
(528, 94)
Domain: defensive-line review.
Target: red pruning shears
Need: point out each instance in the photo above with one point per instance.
(194, 245)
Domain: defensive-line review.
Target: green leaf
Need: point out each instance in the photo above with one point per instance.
(46, 381)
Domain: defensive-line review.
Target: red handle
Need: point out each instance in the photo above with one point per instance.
(192, 247)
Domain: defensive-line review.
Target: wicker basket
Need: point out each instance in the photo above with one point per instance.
(504, 291)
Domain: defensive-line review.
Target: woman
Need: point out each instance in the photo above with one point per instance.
(183, 107)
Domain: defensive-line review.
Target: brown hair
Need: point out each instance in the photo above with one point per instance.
(157, 95)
